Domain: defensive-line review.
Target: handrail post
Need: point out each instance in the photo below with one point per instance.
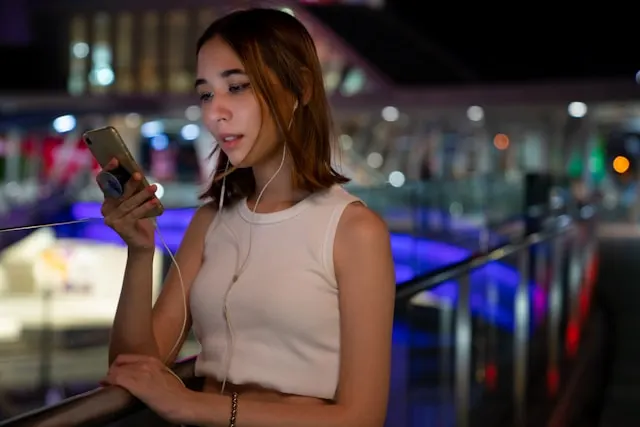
(446, 335)
(555, 313)
(463, 351)
(521, 338)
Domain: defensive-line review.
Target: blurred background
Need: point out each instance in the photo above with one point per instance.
(500, 146)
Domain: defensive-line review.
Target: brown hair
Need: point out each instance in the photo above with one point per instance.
(276, 41)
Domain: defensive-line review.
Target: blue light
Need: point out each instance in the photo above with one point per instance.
(151, 129)
(160, 142)
(190, 132)
(64, 124)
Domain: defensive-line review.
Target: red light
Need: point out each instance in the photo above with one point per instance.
(553, 381)
(573, 338)
(491, 376)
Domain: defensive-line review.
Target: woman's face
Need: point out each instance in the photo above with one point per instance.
(231, 111)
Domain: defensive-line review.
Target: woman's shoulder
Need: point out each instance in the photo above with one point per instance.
(203, 217)
(360, 222)
(336, 194)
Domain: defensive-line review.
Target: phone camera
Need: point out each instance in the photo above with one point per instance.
(88, 141)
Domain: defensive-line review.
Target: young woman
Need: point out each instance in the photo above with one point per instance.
(289, 279)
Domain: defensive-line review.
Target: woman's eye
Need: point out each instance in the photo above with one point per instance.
(204, 97)
(238, 88)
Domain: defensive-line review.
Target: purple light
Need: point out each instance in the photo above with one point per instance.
(412, 256)
(407, 250)
(179, 218)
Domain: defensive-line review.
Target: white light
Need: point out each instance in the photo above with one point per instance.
(346, 142)
(151, 129)
(353, 83)
(190, 132)
(475, 113)
(577, 109)
(192, 113)
(375, 160)
(455, 209)
(390, 114)
(10, 329)
(64, 124)
(287, 10)
(396, 179)
(104, 76)
(80, 50)
(159, 190)
(132, 120)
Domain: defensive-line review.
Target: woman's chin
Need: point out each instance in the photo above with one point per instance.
(238, 162)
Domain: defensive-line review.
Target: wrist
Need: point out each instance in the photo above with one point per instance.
(141, 253)
(205, 409)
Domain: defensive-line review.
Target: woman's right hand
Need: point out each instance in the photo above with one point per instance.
(126, 215)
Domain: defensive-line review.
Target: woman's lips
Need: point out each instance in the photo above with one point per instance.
(229, 140)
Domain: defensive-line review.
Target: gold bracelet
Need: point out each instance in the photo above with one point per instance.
(234, 409)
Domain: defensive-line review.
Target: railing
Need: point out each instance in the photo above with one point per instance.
(101, 407)
(490, 367)
(470, 338)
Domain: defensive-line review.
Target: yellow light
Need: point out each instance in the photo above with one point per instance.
(620, 164)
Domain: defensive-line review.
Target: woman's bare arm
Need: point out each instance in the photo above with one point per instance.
(141, 329)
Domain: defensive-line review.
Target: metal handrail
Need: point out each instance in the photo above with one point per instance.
(432, 279)
(96, 407)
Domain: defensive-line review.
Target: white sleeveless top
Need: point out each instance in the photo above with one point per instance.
(283, 308)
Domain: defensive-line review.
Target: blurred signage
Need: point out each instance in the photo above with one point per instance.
(65, 160)
(163, 164)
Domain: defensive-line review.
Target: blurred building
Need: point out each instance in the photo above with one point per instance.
(404, 107)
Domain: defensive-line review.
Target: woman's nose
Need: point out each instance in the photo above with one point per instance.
(216, 111)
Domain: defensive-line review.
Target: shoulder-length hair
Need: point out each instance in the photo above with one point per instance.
(268, 39)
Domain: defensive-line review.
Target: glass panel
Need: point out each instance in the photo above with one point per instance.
(432, 223)
(522, 333)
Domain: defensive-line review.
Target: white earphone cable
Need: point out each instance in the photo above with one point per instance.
(239, 271)
(230, 344)
(49, 224)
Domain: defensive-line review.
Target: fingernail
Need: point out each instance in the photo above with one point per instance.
(137, 176)
(152, 188)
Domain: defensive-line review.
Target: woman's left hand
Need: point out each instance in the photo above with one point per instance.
(148, 379)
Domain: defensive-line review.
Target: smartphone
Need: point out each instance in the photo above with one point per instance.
(106, 144)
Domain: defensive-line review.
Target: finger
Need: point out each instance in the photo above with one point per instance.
(120, 379)
(113, 163)
(108, 205)
(136, 201)
(132, 185)
(142, 210)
